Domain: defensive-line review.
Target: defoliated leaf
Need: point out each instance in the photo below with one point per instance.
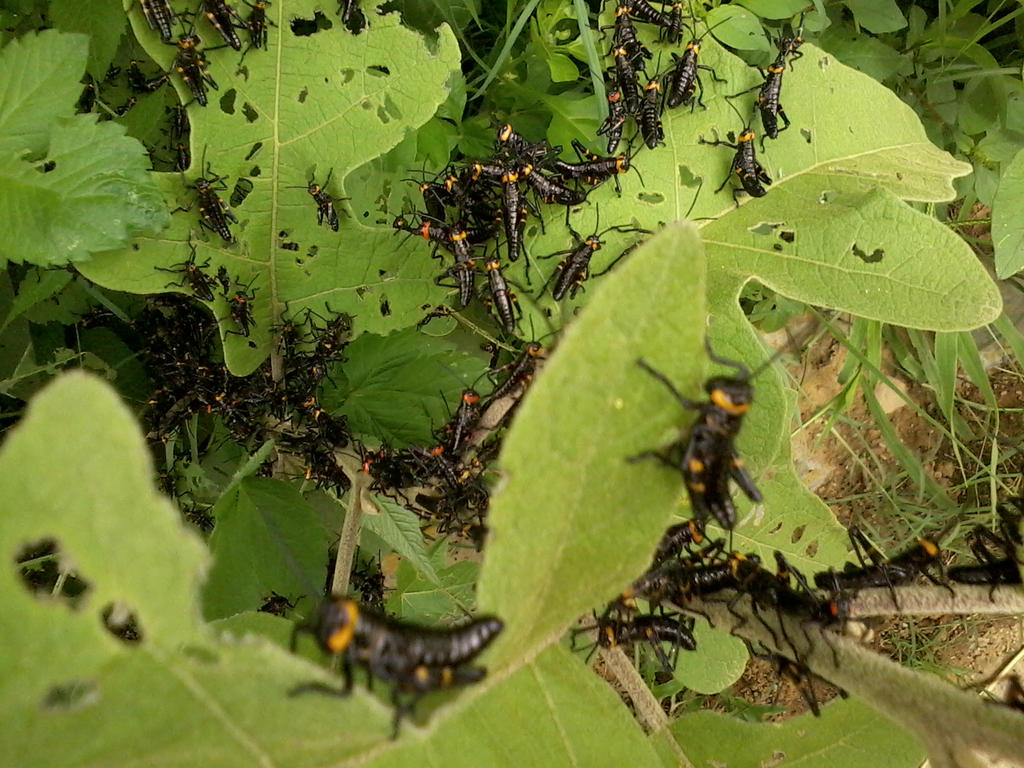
(98, 196)
(1007, 226)
(318, 104)
(553, 711)
(576, 521)
(400, 529)
(39, 86)
(400, 387)
(71, 694)
(868, 254)
(848, 734)
(266, 541)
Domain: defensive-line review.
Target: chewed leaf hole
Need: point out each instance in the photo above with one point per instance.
(307, 27)
(873, 257)
(227, 101)
(71, 696)
(765, 227)
(651, 198)
(47, 571)
(687, 178)
(122, 623)
(378, 70)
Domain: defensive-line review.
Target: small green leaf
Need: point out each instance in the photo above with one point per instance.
(40, 86)
(399, 388)
(877, 16)
(738, 28)
(1007, 225)
(266, 541)
(848, 734)
(37, 286)
(867, 54)
(718, 662)
(400, 529)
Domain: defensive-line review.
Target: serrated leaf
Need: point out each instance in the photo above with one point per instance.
(416, 598)
(319, 104)
(266, 541)
(35, 288)
(98, 196)
(400, 529)
(40, 86)
(573, 532)
(848, 734)
(399, 388)
(552, 711)
(1007, 227)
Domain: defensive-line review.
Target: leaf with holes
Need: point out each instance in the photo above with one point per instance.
(312, 106)
(69, 186)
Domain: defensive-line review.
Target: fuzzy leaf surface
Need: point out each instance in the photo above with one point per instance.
(848, 734)
(571, 533)
(1007, 228)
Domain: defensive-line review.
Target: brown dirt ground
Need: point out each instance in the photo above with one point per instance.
(965, 650)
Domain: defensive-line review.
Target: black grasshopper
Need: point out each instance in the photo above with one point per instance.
(744, 165)
(505, 305)
(325, 210)
(214, 214)
(193, 276)
(770, 90)
(684, 83)
(416, 660)
(192, 67)
(709, 458)
(613, 124)
(160, 17)
(574, 269)
(224, 19)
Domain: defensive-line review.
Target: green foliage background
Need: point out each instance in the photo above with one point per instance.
(571, 521)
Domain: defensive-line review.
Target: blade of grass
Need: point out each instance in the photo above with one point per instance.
(506, 49)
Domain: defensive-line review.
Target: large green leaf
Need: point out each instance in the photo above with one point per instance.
(552, 711)
(576, 521)
(318, 104)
